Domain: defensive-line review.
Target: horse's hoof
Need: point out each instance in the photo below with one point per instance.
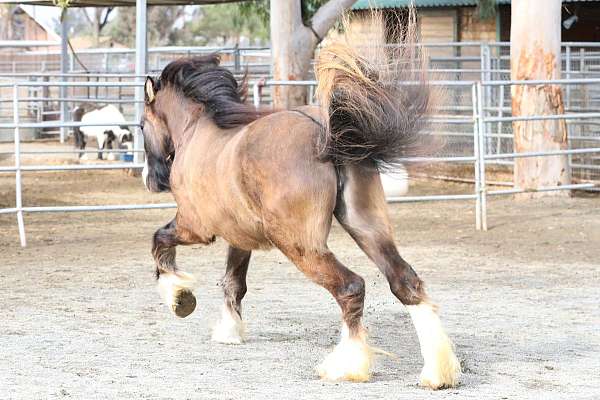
(441, 368)
(437, 381)
(444, 374)
(230, 328)
(176, 291)
(184, 303)
(351, 360)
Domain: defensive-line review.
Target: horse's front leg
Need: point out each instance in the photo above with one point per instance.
(174, 285)
(230, 328)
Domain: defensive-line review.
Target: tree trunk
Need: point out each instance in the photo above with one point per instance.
(535, 54)
(96, 26)
(292, 48)
(293, 45)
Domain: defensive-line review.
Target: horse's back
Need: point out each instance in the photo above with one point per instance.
(279, 152)
(284, 135)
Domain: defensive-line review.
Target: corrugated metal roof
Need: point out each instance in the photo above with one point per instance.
(363, 4)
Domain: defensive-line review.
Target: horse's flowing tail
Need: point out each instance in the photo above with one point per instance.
(376, 98)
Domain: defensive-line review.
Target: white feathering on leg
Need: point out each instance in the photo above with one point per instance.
(171, 283)
(441, 367)
(230, 329)
(350, 360)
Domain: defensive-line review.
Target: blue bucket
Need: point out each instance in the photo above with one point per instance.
(128, 157)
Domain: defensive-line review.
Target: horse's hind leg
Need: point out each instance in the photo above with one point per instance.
(362, 211)
(79, 142)
(297, 216)
(351, 359)
(230, 328)
(174, 285)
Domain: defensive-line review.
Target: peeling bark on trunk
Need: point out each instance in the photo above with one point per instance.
(535, 54)
(293, 45)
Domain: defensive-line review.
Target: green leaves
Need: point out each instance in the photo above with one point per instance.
(486, 9)
(62, 3)
(226, 23)
(260, 8)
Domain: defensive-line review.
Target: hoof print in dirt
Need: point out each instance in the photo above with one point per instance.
(185, 304)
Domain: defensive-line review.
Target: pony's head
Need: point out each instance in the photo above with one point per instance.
(187, 89)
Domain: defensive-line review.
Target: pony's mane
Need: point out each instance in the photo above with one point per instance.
(202, 80)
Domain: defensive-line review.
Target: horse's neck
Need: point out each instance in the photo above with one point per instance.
(199, 130)
(187, 121)
(181, 122)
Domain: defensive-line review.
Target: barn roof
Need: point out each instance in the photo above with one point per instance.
(116, 3)
(364, 4)
(35, 17)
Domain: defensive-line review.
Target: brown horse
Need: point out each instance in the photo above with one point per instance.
(275, 179)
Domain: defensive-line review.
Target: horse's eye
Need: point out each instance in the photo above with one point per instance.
(142, 124)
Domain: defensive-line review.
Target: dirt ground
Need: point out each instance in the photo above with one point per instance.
(81, 317)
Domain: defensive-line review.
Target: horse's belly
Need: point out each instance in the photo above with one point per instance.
(242, 230)
(243, 234)
(247, 242)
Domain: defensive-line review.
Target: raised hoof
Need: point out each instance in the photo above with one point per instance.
(184, 304)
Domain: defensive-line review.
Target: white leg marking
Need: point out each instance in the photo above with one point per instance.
(170, 284)
(350, 360)
(145, 175)
(441, 367)
(230, 329)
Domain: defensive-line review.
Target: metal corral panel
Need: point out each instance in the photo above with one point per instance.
(364, 4)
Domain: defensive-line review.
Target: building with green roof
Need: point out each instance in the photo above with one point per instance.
(458, 20)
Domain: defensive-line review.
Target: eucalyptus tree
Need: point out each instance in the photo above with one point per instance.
(535, 54)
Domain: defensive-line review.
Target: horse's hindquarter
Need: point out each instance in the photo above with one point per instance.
(284, 184)
(262, 179)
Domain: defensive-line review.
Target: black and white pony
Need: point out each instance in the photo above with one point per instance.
(107, 136)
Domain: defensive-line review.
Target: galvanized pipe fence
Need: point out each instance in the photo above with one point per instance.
(467, 61)
(494, 56)
(122, 60)
(477, 120)
(479, 158)
(18, 168)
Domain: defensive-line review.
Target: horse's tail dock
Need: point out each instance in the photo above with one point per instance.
(376, 98)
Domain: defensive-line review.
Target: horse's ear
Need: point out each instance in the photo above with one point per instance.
(149, 94)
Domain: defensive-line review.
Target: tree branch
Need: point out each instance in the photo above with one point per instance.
(328, 13)
(85, 14)
(105, 19)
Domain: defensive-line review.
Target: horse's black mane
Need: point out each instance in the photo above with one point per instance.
(204, 81)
